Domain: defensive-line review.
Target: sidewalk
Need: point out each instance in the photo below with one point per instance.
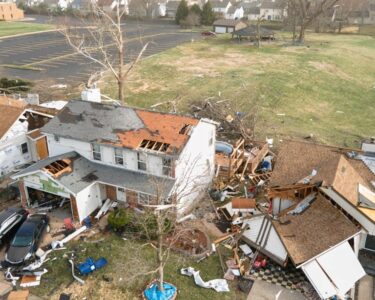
(263, 290)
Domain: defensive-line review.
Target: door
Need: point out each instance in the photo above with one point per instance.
(41, 148)
(121, 194)
(111, 192)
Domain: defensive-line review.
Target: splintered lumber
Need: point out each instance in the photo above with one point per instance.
(256, 178)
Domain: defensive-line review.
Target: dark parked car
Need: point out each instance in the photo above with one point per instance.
(25, 242)
(208, 33)
(10, 220)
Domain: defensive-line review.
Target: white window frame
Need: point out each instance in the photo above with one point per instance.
(119, 157)
(167, 168)
(95, 148)
(27, 148)
(145, 200)
(141, 160)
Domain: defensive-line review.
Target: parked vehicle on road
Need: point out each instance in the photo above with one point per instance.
(10, 220)
(208, 33)
(26, 241)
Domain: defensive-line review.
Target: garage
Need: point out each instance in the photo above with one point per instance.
(228, 26)
(334, 272)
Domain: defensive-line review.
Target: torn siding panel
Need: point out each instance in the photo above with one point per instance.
(194, 169)
(263, 236)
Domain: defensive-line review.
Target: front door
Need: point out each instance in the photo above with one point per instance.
(121, 195)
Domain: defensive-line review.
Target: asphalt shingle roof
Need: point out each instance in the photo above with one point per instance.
(86, 172)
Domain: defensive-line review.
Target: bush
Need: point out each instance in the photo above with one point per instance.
(146, 226)
(119, 220)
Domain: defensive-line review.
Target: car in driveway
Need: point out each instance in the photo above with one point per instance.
(26, 241)
(10, 220)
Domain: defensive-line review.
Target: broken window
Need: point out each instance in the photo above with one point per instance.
(96, 154)
(142, 161)
(24, 148)
(167, 166)
(119, 157)
(153, 145)
(185, 129)
(143, 199)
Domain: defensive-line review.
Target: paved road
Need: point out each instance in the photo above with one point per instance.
(50, 52)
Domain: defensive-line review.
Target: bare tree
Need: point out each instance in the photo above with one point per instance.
(103, 42)
(309, 11)
(163, 212)
(143, 8)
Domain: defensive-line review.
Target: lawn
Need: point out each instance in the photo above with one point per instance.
(117, 280)
(12, 28)
(324, 89)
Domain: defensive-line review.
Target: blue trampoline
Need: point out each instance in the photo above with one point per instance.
(153, 292)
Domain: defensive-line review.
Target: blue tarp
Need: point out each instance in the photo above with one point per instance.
(153, 292)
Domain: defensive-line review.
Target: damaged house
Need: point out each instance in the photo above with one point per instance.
(99, 151)
(321, 214)
(20, 139)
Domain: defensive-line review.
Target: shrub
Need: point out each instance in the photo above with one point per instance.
(119, 220)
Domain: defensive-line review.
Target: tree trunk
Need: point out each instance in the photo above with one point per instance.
(302, 30)
(294, 26)
(120, 77)
(160, 251)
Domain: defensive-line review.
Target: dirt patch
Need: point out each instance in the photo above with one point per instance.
(329, 68)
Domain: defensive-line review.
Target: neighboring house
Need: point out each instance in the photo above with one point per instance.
(221, 7)
(20, 139)
(269, 10)
(156, 9)
(9, 12)
(321, 206)
(235, 12)
(99, 151)
(346, 180)
(171, 8)
(228, 26)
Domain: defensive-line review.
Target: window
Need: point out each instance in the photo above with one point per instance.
(210, 141)
(167, 166)
(119, 158)
(96, 154)
(143, 199)
(24, 148)
(142, 164)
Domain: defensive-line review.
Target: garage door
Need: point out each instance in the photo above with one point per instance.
(220, 29)
(335, 272)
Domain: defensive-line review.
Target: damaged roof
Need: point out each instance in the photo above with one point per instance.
(320, 227)
(119, 125)
(297, 159)
(85, 172)
(10, 112)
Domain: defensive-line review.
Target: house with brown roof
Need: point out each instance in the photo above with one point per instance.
(228, 26)
(10, 12)
(344, 182)
(20, 142)
(129, 155)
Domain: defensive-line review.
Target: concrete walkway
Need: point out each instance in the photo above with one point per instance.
(366, 288)
(263, 290)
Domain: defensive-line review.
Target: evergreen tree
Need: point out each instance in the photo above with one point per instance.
(196, 9)
(208, 15)
(182, 11)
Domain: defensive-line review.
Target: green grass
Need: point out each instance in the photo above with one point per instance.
(325, 88)
(12, 28)
(125, 259)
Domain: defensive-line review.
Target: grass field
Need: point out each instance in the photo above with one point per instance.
(325, 88)
(125, 260)
(12, 28)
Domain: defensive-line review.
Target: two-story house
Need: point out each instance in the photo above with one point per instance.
(20, 139)
(99, 151)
